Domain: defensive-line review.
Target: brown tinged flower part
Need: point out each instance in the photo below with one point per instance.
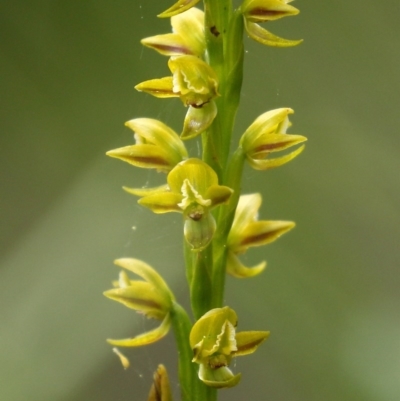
(258, 11)
(157, 146)
(161, 388)
(150, 297)
(196, 84)
(177, 8)
(247, 231)
(266, 135)
(215, 342)
(187, 37)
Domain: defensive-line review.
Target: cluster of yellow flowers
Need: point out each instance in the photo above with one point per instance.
(194, 189)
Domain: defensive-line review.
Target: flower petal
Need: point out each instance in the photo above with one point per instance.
(142, 297)
(246, 212)
(218, 378)
(161, 87)
(146, 191)
(177, 8)
(261, 233)
(265, 37)
(161, 388)
(267, 10)
(197, 120)
(146, 338)
(248, 341)
(267, 143)
(266, 164)
(236, 269)
(218, 194)
(145, 271)
(169, 44)
(162, 202)
(200, 175)
(144, 156)
(199, 233)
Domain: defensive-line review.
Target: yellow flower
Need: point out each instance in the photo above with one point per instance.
(179, 7)
(267, 134)
(247, 231)
(192, 190)
(196, 84)
(215, 342)
(157, 146)
(151, 297)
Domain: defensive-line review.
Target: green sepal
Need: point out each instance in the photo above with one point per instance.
(147, 338)
(198, 119)
(143, 297)
(218, 378)
(177, 8)
(146, 191)
(267, 10)
(144, 156)
(267, 164)
(162, 202)
(265, 37)
(236, 269)
(267, 143)
(160, 87)
(248, 341)
(260, 233)
(146, 272)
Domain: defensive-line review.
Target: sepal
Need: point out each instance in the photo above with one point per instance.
(179, 7)
(267, 10)
(261, 35)
(161, 388)
(187, 37)
(237, 269)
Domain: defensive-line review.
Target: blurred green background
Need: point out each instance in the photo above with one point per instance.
(331, 293)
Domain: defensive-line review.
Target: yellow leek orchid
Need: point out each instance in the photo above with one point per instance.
(267, 134)
(215, 342)
(157, 146)
(196, 84)
(187, 36)
(255, 11)
(192, 190)
(247, 231)
(150, 296)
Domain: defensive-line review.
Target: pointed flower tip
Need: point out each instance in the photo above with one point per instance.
(177, 8)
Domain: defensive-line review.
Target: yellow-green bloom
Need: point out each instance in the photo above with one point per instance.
(267, 134)
(157, 146)
(247, 231)
(192, 190)
(215, 342)
(187, 37)
(255, 11)
(179, 7)
(151, 297)
(196, 84)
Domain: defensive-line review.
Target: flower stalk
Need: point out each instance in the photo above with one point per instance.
(205, 56)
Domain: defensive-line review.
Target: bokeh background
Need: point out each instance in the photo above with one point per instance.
(331, 293)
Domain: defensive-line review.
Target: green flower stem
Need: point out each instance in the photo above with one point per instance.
(187, 370)
(199, 272)
(224, 223)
